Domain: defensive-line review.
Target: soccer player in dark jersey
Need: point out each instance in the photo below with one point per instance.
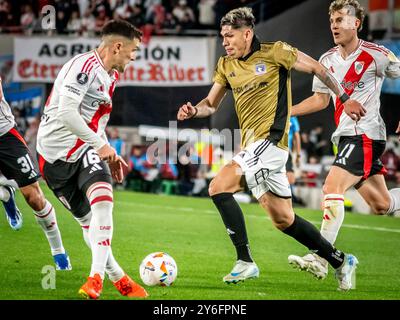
(259, 76)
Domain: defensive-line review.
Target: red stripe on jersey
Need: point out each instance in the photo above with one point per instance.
(90, 67)
(94, 125)
(101, 198)
(352, 77)
(367, 150)
(377, 49)
(74, 61)
(87, 62)
(112, 87)
(372, 45)
(98, 58)
(16, 134)
(41, 164)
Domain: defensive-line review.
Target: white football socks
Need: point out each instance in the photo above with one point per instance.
(333, 216)
(46, 218)
(100, 197)
(113, 270)
(394, 201)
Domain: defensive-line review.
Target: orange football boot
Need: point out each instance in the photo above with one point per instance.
(92, 288)
(127, 287)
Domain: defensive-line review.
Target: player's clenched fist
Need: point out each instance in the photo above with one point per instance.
(187, 111)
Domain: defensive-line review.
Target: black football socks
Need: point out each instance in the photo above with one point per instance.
(233, 218)
(308, 235)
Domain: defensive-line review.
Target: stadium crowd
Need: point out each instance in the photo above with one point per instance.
(86, 17)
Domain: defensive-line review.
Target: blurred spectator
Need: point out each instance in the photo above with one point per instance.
(101, 19)
(20, 120)
(378, 18)
(192, 175)
(156, 15)
(75, 23)
(116, 142)
(391, 161)
(4, 9)
(207, 13)
(317, 141)
(142, 171)
(100, 7)
(27, 20)
(168, 170)
(31, 134)
(136, 16)
(121, 10)
(184, 14)
(88, 23)
(311, 172)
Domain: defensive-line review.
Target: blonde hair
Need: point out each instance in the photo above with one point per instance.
(353, 8)
(240, 17)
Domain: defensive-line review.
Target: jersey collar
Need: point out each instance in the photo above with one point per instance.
(255, 46)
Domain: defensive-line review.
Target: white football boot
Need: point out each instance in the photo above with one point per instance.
(242, 271)
(346, 274)
(311, 263)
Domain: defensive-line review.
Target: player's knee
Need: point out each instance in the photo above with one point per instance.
(380, 208)
(214, 188)
(282, 222)
(34, 197)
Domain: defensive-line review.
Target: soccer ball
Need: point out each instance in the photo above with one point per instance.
(158, 268)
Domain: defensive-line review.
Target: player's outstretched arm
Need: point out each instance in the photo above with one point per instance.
(312, 104)
(307, 64)
(205, 107)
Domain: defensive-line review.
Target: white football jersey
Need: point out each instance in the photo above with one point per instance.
(7, 121)
(361, 75)
(84, 79)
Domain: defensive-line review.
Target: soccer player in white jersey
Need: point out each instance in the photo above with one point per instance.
(75, 158)
(17, 171)
(362, 67)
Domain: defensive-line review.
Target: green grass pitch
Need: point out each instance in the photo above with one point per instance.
(192, 231)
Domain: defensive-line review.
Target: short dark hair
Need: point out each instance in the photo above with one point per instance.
(240, 17)
(121, 28)
(353, 8)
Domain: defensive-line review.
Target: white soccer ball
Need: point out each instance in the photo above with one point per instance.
(158, 268)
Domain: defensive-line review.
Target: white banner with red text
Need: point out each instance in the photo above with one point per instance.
(164, 61)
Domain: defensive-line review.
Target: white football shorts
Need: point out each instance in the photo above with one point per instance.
(263, 165)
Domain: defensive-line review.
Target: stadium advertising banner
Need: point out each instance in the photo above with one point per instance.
(165, 61)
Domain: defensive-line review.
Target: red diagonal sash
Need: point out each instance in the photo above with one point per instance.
(352, 76)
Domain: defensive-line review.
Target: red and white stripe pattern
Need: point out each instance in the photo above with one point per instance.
(331, 200)
(45, 214)
(93, 95)
(361, 74)
(98, 192)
